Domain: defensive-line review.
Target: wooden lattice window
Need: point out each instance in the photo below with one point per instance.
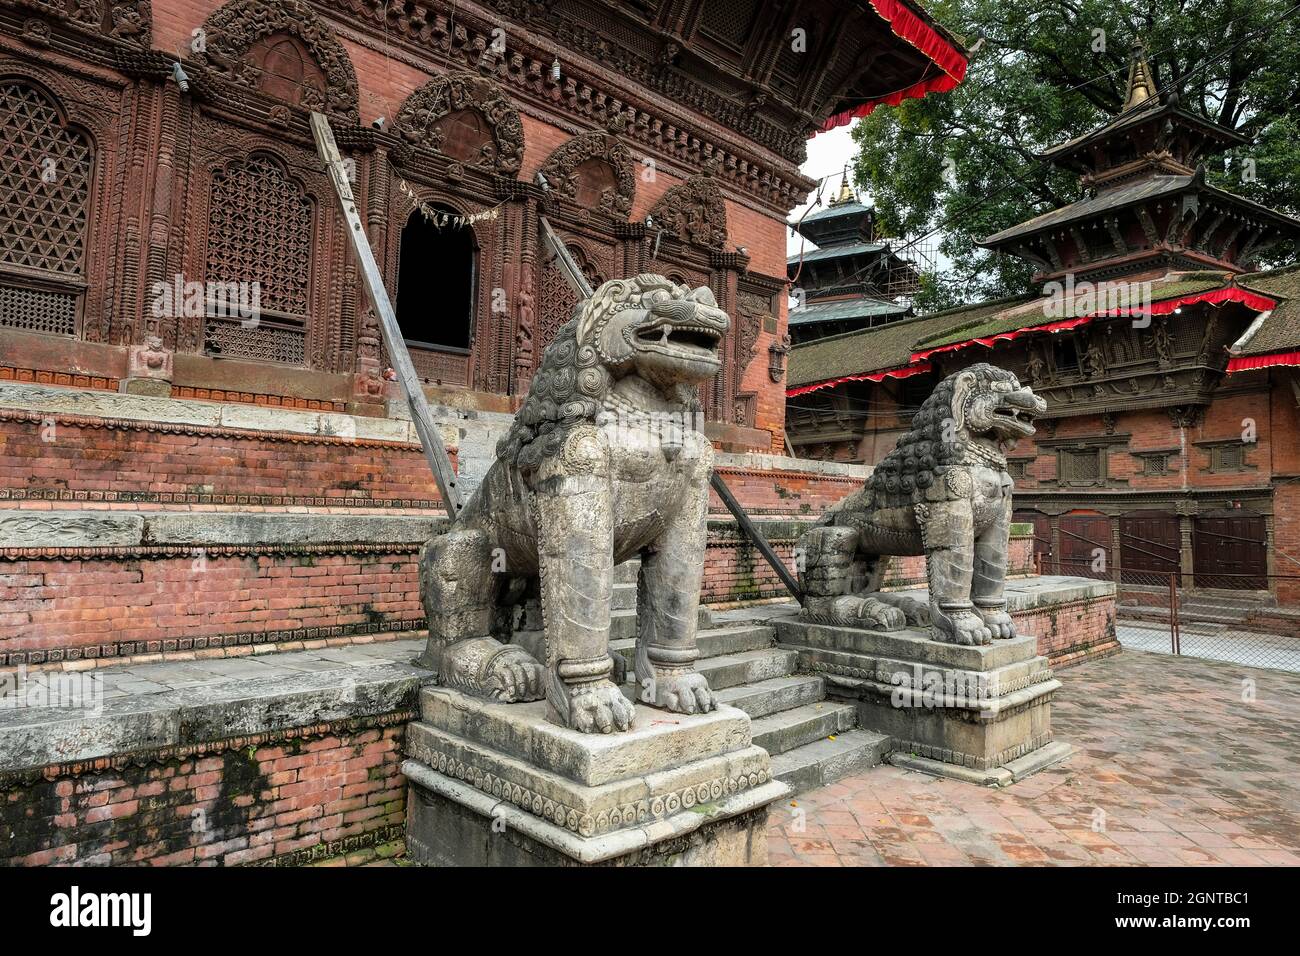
(558, 298)
(1080, 465)
(1228, 457)
(45, 174)
(1154, 465)
(260, 230)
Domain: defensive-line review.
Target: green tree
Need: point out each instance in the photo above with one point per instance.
(965, 163)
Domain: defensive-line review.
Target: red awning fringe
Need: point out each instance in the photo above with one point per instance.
(1244, 363)
(920, 360)
(1251, 300)
(905, 24)
(904, 372)
(1003, 337)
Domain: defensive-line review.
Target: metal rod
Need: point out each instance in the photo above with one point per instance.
(755, 536)
(430, 438)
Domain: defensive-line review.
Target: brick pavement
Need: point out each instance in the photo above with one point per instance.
(1172, 767)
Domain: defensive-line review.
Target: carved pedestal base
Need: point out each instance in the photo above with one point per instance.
(498, 784)
(976, 713)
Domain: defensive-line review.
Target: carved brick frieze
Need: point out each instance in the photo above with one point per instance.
(466, 117)
(130, 21)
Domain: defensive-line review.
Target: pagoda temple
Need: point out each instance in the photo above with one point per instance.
(853, 279)
(1168, 365)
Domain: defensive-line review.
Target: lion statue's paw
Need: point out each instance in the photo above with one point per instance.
(963, 627)
(682, 692)
(999, 623)
(870, 613)
(599, 708)
(487, 668)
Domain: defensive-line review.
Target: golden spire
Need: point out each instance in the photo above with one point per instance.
(1141, 84)
(846, 191)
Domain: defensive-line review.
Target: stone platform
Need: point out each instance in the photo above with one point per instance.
(495, 784)
(975, 713)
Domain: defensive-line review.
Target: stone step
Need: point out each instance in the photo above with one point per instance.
(626, 572)
(713, 642)
(824, 761)
(622, 624)
(783, 731)
(624, 597)
(747, 667)
(775, 694)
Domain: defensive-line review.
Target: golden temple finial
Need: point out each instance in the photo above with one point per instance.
(846, 191)
(1141, 83)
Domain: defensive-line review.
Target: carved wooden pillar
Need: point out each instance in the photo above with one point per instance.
(1187, 558)
(525, 348)
(1115, 543)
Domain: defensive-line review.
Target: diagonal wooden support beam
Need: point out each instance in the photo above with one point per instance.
(430, 438)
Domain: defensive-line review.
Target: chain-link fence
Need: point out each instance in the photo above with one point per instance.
(1249, 618)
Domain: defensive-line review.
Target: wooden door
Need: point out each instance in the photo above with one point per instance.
(1230, 552)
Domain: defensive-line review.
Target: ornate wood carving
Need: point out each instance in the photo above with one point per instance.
(694, 212)
(594, 170)
(283, 49)
(467, 118)
(129, 20)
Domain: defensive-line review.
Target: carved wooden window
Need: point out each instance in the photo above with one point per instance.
(1016, 467)
(45, 170)
(557, 298)
(1231, 457)
(260, 232)
(1081, 466)
(1155, 465)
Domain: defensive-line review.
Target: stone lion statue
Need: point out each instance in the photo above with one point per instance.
(602, 463)
(943, 492)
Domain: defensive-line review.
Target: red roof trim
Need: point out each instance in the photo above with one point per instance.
(1251, 300)
(1245, 363)
(1003, 337)
(905, 372)
(909, 27)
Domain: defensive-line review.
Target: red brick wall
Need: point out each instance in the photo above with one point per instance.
(53, 611)
(799, 494)
(329, 795)
(1074, 632)
(88, 459)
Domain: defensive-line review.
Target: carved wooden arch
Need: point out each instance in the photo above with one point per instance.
(233, 32)
(428, 118)
(694, 212)
(574, 171)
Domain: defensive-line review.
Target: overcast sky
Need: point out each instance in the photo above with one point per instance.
(827, 154)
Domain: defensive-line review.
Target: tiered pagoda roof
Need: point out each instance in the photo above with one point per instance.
(1147, 217)
(1146, 205)
(850, 281)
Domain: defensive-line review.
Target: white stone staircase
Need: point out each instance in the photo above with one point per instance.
(813, 741)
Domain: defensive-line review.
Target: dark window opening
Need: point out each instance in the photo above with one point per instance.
(437, 272)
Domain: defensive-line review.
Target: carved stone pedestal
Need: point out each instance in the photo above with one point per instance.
(975, 713)
(499, 785)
